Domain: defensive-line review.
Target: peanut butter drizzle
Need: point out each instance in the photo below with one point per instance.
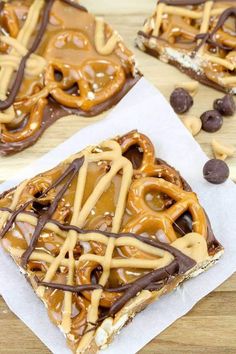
(198, 29)
(44, 223)
(67, 70)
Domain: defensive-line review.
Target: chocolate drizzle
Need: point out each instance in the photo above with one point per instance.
(12, 218)
(20, 73)
(75, 5)
(73, 289)
(209, 37)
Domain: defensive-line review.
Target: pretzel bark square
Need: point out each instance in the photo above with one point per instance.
(104, 234)
(51, 67)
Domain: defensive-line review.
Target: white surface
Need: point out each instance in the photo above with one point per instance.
(146, 110)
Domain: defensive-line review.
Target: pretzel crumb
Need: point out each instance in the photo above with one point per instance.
(222, 151)
(192, 123)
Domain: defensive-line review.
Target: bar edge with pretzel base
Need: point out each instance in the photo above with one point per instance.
(192, 62)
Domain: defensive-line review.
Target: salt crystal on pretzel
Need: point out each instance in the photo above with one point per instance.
(196, 36)
(99, 244)
(51, 67)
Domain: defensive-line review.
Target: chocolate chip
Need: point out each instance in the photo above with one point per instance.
(135, 155)
(216, 171)
(180, 100)
(225, 105)
(183, 225)
(211, 121)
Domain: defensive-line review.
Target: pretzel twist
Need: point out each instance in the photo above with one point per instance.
(148, 166)
(144, 215)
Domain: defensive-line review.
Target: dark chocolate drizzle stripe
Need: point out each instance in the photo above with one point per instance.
(206, 38)
(1, 6)
(6, 209)
(87, 287)
(70, 288)
(12, 218)
(209, 37)
(75, 5)
(70, 172)
(20, 73)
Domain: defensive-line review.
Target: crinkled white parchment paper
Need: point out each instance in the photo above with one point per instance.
(144, 109)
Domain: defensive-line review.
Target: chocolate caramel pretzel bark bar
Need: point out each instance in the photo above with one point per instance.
(56, 60)
(196, 36)
(104, 234)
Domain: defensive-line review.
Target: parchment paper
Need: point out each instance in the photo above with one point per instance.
(144, 109)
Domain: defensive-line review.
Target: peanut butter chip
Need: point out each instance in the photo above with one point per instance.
(222, 151)
(193, 124)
